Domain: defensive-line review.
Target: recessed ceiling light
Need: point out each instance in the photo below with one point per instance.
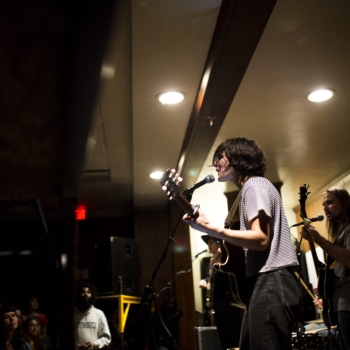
(320, 95)
(107, 71)
(156, 175)
(171, 97)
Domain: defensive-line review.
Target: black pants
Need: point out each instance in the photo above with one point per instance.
(228, 321)
(271, 312)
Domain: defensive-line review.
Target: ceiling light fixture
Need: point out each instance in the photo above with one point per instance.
(171, 97)
(320, 95)
(156, 175)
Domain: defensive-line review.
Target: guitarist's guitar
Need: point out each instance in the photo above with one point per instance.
(209, 296)
(231, 258)
(324, 274)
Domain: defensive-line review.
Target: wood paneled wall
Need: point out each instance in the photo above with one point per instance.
(153, 228)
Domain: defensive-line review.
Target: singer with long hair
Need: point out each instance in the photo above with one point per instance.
(336, 205)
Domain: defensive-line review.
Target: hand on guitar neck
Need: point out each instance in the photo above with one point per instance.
(309, 233)
(317, 302)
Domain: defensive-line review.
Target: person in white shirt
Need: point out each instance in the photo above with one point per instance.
(91, 326)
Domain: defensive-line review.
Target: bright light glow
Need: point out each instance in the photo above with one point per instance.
(25, 252)
(156, 175)
(6, 253)
(171, 97)
(107, 71)
(320, 95)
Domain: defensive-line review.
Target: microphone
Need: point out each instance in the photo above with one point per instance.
(208, 179)
(319, 217)
(198, 254)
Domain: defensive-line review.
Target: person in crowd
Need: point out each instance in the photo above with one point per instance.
(31, 333)
(336, 205)
(18, 312)
(91, 326)
(10, 336)
(32, 310)
(273, 291)
(227, 318)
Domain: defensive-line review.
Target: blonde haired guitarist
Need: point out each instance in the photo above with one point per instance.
(336, 205)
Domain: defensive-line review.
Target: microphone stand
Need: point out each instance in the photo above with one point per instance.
(188, 194)
(186, 269)
(149, 296)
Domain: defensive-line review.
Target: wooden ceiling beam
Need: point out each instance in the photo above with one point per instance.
(239, 27)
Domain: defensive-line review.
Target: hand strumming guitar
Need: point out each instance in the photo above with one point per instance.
(201, 223)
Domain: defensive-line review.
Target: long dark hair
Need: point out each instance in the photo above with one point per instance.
(335, 228)
(16, 341)
(37, 340)
(244, 155)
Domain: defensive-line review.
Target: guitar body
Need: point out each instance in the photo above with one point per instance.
(210, 290)
(209, 299)
(233, 263)
(325, 291)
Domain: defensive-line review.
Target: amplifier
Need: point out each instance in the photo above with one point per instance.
(207, 338)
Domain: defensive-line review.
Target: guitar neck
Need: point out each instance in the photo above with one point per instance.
(182, 201)
(318, 264)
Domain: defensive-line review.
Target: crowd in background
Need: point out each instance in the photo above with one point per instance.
(23, 327)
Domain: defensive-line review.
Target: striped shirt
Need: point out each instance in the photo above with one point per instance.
(259, 194)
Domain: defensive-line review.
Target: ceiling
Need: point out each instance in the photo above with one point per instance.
(247, 65)
(190, 46)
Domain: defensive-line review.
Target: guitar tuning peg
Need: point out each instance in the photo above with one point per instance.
(170, 198)
(164, 188)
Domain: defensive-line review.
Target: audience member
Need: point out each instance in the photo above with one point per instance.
(32, 307)
(31, 333)
(10, 337)
(91, 327)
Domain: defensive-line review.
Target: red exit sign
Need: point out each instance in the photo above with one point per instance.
(80, 214)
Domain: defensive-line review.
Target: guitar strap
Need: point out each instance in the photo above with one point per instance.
(230, 218)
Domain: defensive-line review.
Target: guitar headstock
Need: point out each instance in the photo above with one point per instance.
(170, 183)
(303, 194)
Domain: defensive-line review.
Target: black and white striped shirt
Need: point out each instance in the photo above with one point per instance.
(260, 194)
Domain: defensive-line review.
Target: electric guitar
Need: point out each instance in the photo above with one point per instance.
(209, 297)
(209, 301)
(231, 258)
(324, 274)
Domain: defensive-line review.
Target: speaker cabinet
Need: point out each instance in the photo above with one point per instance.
(117, 266)
(207, 338)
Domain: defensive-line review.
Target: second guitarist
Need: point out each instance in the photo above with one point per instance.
(221, 313)
(336, 205)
